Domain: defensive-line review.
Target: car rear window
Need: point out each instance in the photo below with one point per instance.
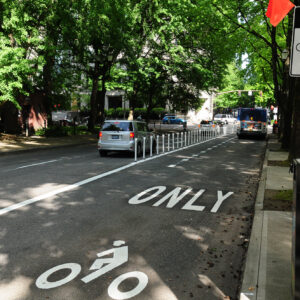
(117, 126)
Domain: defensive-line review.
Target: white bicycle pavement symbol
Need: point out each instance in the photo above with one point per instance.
(101, 265)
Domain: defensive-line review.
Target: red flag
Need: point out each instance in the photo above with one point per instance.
(277, 10)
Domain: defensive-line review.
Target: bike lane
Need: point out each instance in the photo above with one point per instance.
(185, 229)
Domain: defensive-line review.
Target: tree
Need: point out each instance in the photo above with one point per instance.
(264, 44)
(101, 30)
(170, 57)
(241, 80)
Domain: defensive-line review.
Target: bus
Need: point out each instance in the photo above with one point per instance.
(252, 122)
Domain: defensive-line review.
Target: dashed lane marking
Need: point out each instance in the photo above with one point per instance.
(37, 164)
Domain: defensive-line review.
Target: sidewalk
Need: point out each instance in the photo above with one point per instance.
(268, 269)
(10, 144)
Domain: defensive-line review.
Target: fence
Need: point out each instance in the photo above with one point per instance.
(171, 141)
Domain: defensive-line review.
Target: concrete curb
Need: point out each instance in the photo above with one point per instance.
(45, 147)
(249, 289)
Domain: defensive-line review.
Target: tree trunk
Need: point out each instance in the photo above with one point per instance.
(93, 112)
(295, 136)
(47, 83)
(101, 99)
(287, 93)
(287, 104)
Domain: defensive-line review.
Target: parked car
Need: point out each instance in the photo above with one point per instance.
(207, 125)
(226, 118)
(66, 118)
(120, 135)
(84, 121)
(219, 123)
(172, 119)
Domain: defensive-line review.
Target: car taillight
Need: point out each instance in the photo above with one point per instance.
(131, 135)
(100, 134)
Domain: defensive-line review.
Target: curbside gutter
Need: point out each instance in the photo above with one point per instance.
(250, 284)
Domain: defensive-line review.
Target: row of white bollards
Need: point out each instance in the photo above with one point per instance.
(177, 140)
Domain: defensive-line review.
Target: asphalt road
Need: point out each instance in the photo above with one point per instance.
(177, 225)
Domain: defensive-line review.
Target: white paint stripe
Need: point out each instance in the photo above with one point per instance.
(42, 163)
(203, 152)
(195, 155)
(185, 159)
(61, 190)
(244, 296)
(91, 179)
(171, 166)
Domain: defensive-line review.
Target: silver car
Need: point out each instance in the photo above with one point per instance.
(120, 135)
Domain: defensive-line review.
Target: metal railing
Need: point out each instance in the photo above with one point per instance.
(180, 140)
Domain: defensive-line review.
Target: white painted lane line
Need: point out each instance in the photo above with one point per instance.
(209, 148)
(62, 190)
(203, 152)
(171, 166)
(185, 159)
(91, 179)
(37, 164)
(195, 155)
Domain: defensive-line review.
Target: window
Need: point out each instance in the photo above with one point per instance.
(117, 126)
(252, 115)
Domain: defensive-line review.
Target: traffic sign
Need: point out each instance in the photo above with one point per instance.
(295, 48)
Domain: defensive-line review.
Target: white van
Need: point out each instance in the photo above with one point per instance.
(120, 135)
(225, 118)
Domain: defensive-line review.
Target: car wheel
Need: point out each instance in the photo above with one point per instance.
(102, 153)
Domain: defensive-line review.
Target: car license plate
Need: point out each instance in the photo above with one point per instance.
(115, 137)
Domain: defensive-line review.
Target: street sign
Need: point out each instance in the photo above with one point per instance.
(295, 48)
